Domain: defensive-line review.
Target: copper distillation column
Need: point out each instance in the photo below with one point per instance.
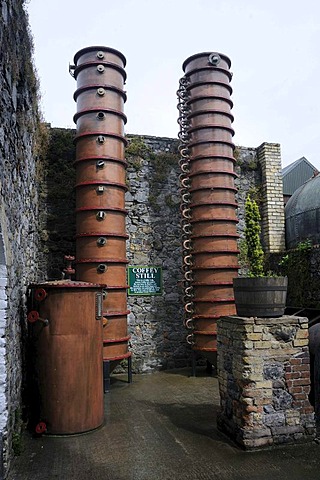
(100, 191)
(208, 203)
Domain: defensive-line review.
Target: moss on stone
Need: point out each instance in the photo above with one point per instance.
(137, 148)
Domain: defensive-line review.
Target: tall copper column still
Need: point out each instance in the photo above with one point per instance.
(101, 186)
(208, 203)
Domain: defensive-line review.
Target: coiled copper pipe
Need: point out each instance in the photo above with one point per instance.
(101, 186)
(208, 203)
(184, 163)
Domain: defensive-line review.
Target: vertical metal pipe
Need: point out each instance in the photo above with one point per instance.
(101, 186)
(208, 203)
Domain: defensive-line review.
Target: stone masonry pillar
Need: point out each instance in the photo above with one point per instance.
(264, 380)
(273, 219)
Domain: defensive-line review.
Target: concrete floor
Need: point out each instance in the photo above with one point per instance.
(163, 426)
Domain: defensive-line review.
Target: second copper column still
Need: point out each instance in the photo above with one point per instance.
(101, 186)
(208, 204)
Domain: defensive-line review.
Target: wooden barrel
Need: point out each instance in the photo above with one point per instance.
(66, 331)
(261, 296)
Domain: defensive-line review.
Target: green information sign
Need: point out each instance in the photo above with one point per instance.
(144, 280)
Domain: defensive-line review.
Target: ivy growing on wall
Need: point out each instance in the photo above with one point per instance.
(303, 287)
(137, 148)
(254, 252)
(60, 179)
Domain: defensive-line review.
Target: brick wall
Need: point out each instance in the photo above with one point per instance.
(264, 380)
(272, 209)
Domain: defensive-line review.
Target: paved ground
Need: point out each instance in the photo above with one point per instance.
(163, 426)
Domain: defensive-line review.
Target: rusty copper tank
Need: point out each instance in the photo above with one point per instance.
(100, 187)
(66, 331)
(208, 197)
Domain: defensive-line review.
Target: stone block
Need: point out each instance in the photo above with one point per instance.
(265, 384)
(262, 345)
(300, 343)
(272, 371)
(286, 430)
(254, 336)
(257, 328)
(256, 443)
(275, 419)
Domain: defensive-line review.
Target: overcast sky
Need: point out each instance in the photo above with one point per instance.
(273, 46)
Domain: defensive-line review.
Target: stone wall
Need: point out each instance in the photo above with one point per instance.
(152, 200)
(21, 261)
(156, 323)
(264, 380)
(302, 267)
